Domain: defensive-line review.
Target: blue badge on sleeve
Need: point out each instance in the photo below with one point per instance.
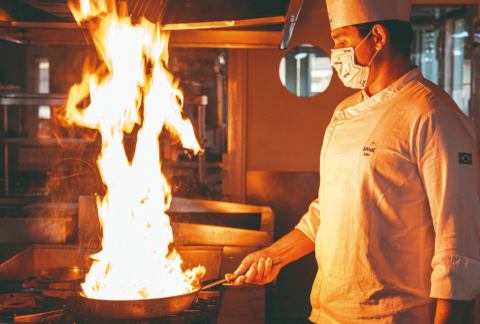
(465, 158)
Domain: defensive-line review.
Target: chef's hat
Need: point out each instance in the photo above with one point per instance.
(351, 12)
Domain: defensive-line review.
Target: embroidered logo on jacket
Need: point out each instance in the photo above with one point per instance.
(464, 158)
(370, 149)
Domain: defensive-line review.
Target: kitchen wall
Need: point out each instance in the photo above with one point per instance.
(285, 132)
(284, 137)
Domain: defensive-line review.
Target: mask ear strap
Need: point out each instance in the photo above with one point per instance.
(371, 61)
(363, 40)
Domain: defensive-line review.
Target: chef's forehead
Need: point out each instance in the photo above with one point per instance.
(346, 31)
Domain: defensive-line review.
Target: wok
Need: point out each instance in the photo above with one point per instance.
(148, 308)
(139, 308)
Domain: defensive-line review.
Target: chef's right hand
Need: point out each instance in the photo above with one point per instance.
(257, 268)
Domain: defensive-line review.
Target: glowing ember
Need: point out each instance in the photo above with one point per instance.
(136, 261)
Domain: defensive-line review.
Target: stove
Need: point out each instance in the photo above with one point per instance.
(30, 307)
(33, 301)
(204, 310)
(41, 284)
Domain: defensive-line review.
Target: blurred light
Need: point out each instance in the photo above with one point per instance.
(457, 52)
(460, 35)
(300, 56)
(44, 65)
(44, 112)
(221, 60)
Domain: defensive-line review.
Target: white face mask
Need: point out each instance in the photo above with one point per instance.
(352, 75)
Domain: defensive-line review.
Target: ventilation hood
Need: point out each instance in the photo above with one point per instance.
(193, 23)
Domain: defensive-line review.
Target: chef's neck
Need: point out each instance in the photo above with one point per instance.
(385, 70)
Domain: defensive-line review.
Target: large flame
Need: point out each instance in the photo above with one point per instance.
(133, 87)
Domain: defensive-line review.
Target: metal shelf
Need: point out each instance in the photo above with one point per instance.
(47, 141)
(21, 99)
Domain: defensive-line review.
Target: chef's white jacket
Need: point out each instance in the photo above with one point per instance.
(397, 219)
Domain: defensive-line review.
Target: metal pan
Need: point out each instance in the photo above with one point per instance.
(148, 308)
(141, 308)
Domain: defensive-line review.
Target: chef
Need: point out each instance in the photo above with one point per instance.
(396, 226)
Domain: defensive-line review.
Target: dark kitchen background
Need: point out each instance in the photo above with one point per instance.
(262, 139)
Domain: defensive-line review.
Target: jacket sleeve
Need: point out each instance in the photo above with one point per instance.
(449, 165)
(310, 221)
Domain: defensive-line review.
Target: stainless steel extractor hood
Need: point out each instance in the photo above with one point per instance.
(193, 23)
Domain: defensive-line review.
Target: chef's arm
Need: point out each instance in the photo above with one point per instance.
(451, 311)
(257, 266)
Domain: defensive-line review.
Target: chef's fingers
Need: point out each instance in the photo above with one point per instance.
(268, 267)
(239, 281)
(260, 270)
(245, 265)
(251, 273)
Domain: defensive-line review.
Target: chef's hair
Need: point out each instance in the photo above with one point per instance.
(401, 34)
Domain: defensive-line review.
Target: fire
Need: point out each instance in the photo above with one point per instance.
(133, 88)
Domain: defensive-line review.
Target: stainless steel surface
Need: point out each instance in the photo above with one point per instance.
(226, 24)
(39, 259)
(36, 230)
(21, 222)
(19, 99)
(40, 25)
(148, 308)
(190, 234)
(244, 304)
(209, 23)
(65, 273)
(291, 18)
(43, 317)
(29, 307)
(290, 25)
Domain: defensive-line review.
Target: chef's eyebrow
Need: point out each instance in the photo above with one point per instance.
(339, 33)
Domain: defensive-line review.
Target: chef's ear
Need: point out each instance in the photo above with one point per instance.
(380, 36)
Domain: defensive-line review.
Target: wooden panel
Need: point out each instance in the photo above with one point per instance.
(235, 160)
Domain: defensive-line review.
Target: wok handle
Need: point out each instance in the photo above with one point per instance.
(232, 277)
